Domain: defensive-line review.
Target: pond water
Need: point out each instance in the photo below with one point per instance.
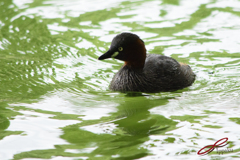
(54, 97)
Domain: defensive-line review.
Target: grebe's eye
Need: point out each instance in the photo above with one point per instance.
(120, 48)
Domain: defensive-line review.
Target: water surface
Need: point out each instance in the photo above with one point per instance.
(54, 97)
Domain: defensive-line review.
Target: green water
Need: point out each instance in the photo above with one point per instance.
(54, 97)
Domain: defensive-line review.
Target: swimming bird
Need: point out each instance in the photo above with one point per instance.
(142, 72)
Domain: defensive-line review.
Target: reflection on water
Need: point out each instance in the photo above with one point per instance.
(54, 97)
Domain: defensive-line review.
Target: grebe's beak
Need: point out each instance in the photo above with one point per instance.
(108, 54)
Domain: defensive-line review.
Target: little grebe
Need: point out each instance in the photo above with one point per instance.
(145, 72)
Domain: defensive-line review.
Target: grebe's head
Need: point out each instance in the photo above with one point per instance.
(129, 48)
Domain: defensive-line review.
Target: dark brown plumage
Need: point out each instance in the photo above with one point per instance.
(145, 73)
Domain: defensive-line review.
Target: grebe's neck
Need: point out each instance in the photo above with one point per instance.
(137, 57)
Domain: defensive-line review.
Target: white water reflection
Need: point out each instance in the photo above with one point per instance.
(217, 92)
(39, 132)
